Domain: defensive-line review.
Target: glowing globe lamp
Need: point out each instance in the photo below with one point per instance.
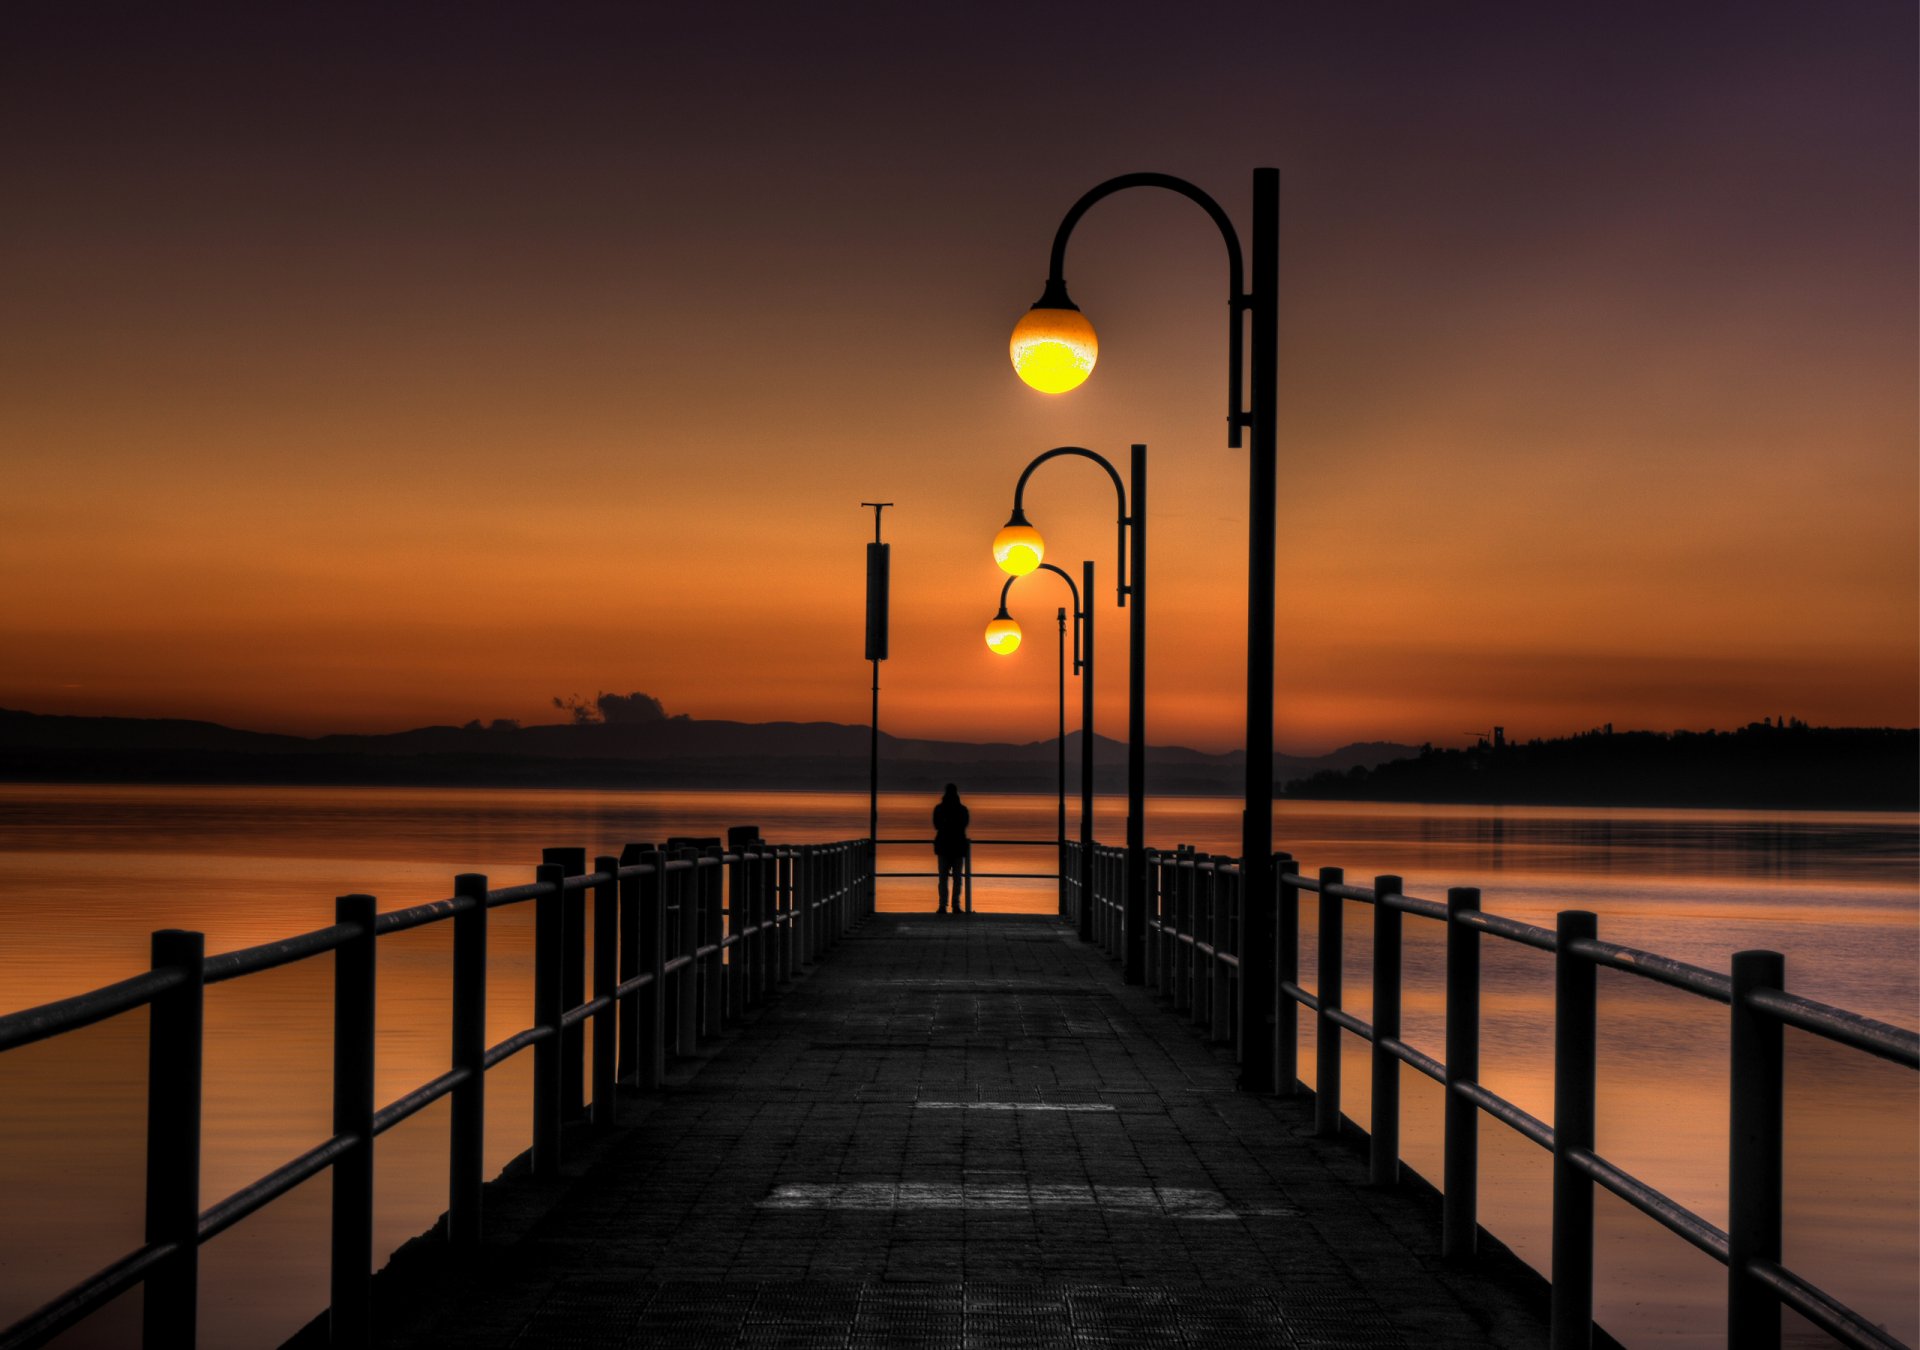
(1003, 633)
(1053, 347)
(1018, 548)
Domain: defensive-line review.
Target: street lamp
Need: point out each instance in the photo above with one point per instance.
(1256, 310)
(1026, 543)
(1083, 667)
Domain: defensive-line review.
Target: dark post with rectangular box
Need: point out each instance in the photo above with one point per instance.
(879, 564)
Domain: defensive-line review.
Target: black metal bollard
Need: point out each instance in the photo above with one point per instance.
(175, 1037)
(466, 1144)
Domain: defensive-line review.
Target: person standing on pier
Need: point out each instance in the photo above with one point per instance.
(950, 819)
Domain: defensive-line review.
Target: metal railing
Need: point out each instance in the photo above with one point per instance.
(681, 943)
(967, 874)
(1194, 924)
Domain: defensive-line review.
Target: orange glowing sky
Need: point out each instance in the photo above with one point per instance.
(356, 378)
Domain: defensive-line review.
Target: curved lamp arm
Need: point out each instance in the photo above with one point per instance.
(1079, 615)
(1119, 490)
(1238, 301)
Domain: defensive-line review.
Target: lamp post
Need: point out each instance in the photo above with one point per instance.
(1019, 549)
(1083, 667)
(1054, 349)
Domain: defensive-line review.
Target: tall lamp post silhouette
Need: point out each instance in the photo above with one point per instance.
(1054, 349)
(1003, 636)
(1019, 549)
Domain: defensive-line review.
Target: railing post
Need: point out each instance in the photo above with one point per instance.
(573, 982)
(685, 883)
(1383, 1156)
(1187, 987)
(175, 1034)
(712, 884)
(1221, 891)
(1286, 1013)
(606, 968)
(789, 926)
(735, 962)
(650, 1008)
(466, 1143)
(549, 932)
(1754, 1142)
(766, 944)
(630, 1019)
(1460, 1170)
(350, 1316)
(800, 876)
(1181, 916)
(1326, 1088)
(1574, 1040)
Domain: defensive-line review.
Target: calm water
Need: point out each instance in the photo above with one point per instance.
(86, 873)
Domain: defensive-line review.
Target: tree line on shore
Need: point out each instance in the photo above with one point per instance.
(1765, 764)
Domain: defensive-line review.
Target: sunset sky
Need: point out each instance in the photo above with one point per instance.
(365, 371)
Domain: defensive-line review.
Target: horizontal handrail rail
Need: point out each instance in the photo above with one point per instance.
(738, 922)
(83, 1010)
(928, 841)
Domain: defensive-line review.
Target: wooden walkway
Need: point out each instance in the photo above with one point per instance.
(960, 1133)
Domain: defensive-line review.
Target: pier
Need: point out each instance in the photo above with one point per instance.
(798, 1121)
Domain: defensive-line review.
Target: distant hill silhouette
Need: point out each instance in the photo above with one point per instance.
(656, 752)
(1761, 765)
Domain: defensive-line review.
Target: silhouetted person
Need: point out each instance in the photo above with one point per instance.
(950, 819)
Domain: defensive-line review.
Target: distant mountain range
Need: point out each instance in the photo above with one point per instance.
(658, 753)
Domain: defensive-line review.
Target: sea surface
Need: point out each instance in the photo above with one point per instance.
(87, 872)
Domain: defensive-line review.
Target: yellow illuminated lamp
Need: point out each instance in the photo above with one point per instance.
(1003, 633)
(1053, 346)
(1018, 548)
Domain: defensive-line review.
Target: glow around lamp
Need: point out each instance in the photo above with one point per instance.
(1003, 633)
(1018, 548)
(1053, 346)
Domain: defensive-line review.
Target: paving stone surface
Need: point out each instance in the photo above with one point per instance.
(969, 1133)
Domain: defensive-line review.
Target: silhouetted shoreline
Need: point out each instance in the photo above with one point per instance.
(1804, 768)
(662, 753)
(1758, 766)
